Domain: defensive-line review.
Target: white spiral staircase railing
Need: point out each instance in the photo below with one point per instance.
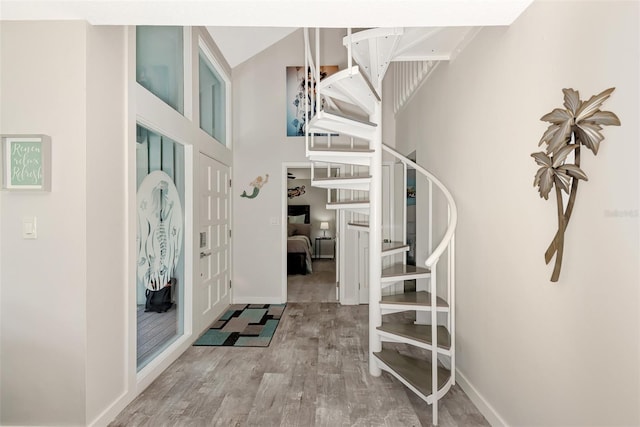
(349, 103)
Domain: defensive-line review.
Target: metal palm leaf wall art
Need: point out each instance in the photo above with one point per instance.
(577, 125)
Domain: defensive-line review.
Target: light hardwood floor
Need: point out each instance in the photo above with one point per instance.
(314, 373)
(319, 286)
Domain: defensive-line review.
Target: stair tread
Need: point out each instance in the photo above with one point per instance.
(420, 298)
(341, 155)
(421, 333)
(414, 371)
(343, 116)
(358, 183)
(341, 150)
(404, 269)
(349, 202)
(335, 122)
(339, 178)
(392, 246)
(357, 206)
(359, 224)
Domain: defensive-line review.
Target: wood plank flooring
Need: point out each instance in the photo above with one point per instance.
(319, 286)
(314, 373)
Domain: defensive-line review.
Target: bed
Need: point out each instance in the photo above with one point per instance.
(299, 239)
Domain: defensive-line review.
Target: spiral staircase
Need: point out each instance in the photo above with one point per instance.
(419, 355)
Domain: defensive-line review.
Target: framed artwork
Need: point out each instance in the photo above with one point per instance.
(26, 162)
(411, 187)
(296, 97)
(296, 191)
(411, 182)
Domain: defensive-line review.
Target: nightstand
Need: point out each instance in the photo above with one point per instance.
(317, 250)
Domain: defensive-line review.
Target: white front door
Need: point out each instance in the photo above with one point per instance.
(212, 294)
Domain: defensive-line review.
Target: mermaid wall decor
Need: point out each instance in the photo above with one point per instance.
(257, 185)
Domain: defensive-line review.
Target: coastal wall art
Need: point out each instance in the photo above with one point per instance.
(296, 98)
(573, 127)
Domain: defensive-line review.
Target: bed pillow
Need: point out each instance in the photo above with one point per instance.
(297, 219)
(291, 230)
(303, 230)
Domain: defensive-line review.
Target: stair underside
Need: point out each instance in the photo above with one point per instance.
(373, 50)
(360, 206)
(341, 155)
(420, 301)
(414, 373)
(343, 183)
(440, 44)
(407, 44)
(403, 272)
(326, 121)
(350, 86)
(418, 333)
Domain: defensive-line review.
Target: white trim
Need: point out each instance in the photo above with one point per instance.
(479, 400)
(173, 351)
(283, 228)
(187, 74)
(202, 46)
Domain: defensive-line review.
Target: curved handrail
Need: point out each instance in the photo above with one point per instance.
(453, 219)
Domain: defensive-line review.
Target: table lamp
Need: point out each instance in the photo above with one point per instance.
(324, 226)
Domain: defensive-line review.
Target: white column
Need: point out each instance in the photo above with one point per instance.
(375, 242)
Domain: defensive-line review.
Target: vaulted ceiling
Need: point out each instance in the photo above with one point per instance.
(242, 28)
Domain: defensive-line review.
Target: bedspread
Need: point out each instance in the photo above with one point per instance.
(300, 244)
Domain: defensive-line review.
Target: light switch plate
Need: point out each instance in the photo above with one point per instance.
(29, 230)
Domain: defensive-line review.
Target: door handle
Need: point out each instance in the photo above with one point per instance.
(204, 254)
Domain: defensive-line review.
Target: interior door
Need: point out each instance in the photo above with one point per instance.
(212, 294)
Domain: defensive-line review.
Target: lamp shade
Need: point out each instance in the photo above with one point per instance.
(324, 226)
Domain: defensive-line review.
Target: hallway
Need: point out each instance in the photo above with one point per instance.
(314, 373)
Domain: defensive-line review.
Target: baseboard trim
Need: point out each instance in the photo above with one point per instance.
(144, 378)
(112, 411)
(481, 403)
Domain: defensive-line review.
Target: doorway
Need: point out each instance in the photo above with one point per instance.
(319, 282)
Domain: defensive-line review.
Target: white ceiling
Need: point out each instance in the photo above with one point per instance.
(240, 43)
(242, 28)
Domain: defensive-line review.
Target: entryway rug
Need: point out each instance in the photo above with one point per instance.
(244, 325)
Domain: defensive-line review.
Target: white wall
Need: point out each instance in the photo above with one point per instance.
(316, 198)
(63, 293)
(106, 305)
(541, 353)
(260, 147)
(44, 280)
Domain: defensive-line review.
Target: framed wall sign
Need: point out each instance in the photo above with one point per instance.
(26, 162)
